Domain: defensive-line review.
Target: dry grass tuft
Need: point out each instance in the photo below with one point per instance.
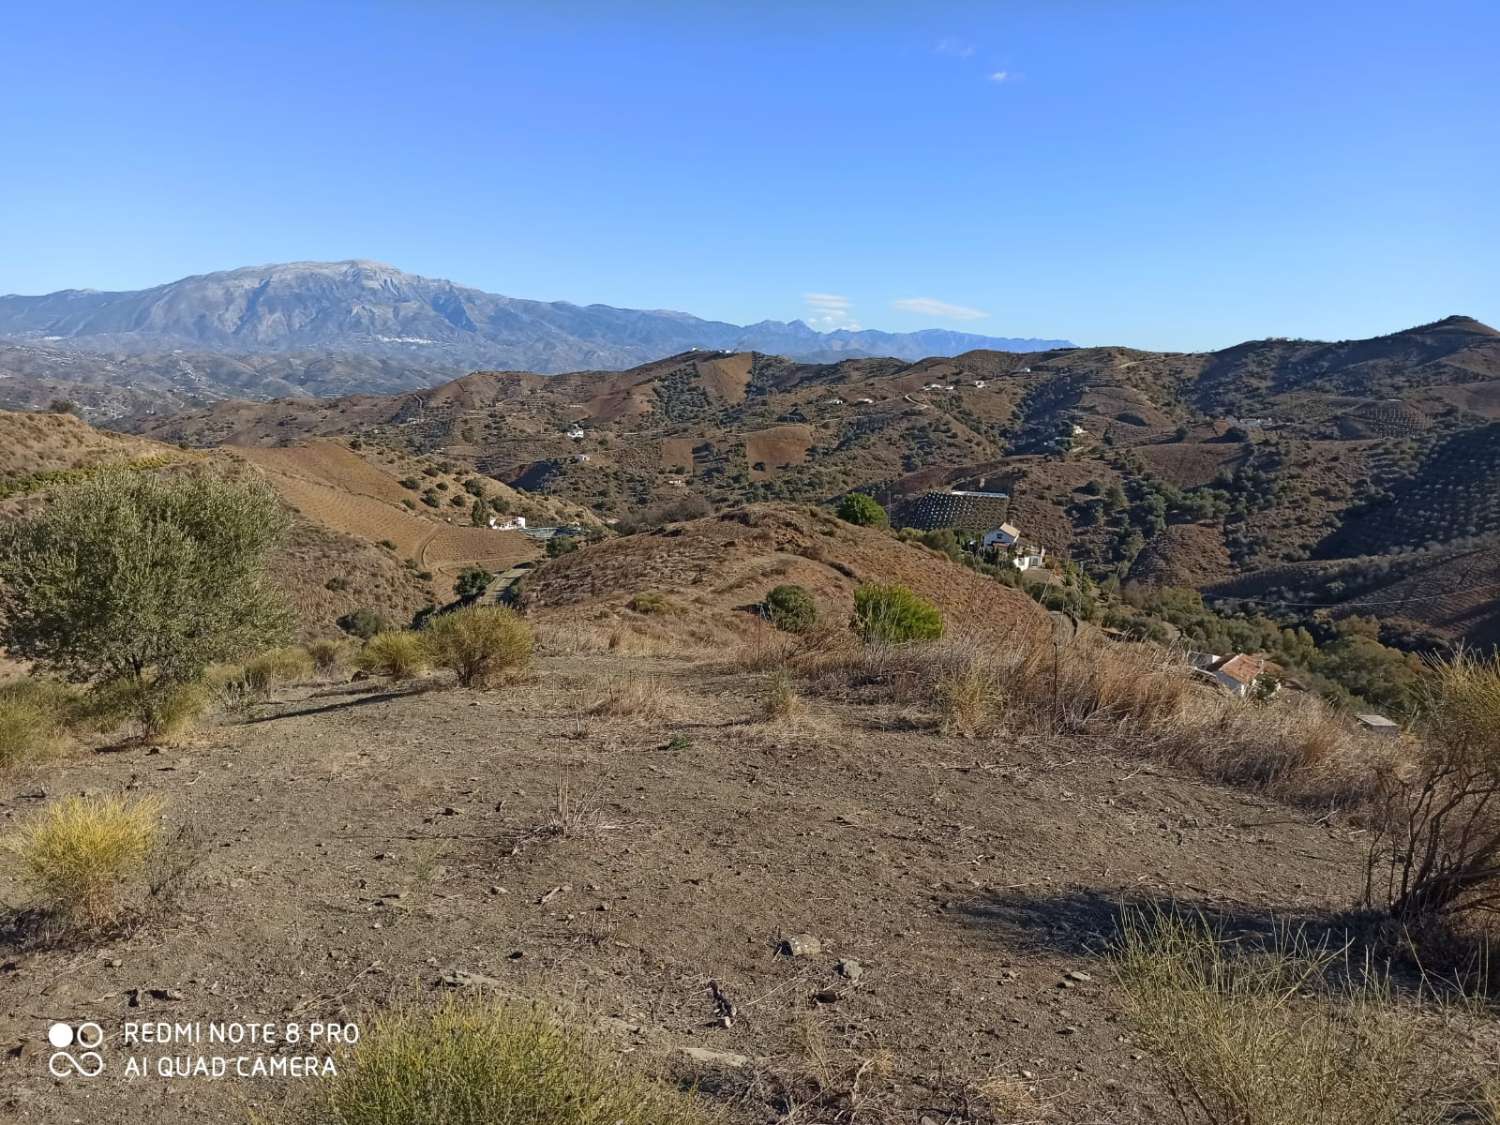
(780, 702)
(1011, 1101)
(34, 714)
(575, 816)
(80, 855)
(1284, 1034)
(399, 655)
(643, 698)
(473, 1064)
(277, 667)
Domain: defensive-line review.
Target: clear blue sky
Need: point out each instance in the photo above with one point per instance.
(1164, 174)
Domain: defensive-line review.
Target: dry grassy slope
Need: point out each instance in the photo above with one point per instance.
(710, 570)
(36, 442)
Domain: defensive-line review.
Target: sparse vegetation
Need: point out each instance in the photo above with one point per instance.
(80, 855)
(33, 716)
(472, 581)
(894, 615)
(780, 702)
(479, 644)
(645, 698)
(328, 655)
(491, 1064)
(648, 602)
(364, 623)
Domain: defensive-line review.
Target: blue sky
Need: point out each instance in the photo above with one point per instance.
(1163, 174)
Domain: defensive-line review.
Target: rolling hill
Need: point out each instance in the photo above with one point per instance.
(1160, 468)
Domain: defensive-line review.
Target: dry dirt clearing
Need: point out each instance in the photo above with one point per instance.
(362, 845)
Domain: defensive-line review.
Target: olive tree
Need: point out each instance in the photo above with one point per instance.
(142, 579)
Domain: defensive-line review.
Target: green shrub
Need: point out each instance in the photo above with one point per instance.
(648, 602)
(560, 545)
(279, 666)
(472, 1064)
(473, 581)
(142, 577)
(895, 615)
(791, 609)
(857, 508)
(479, 644)
(363, 623)
(399, 655)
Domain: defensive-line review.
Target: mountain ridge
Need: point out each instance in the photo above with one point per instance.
(359, 306)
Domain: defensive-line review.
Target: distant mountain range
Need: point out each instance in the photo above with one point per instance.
(360, 308)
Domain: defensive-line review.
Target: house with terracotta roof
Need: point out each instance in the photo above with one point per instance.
(1240, 672)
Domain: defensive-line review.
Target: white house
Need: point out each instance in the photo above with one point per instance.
(576, 433)
(1078, 431)
(1030, 561)
(1005, 535)
(1238, 673)
(515, 523)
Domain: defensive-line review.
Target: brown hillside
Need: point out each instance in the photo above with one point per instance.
(720, 565)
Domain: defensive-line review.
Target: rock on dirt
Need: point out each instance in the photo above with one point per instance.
(716, 1058)
(800, 945)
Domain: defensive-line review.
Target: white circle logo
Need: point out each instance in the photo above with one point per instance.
(88, 1063)
(60, 1035)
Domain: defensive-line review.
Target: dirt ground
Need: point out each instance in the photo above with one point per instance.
(360, 843)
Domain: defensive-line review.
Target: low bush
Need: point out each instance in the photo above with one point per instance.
(399, 655)
(479, 644)
(80, 855)
(363, 623)
(278, 666)
(158, 710)
(328, 655)
(648, 602)
(857, 508)
(895, 615)
(791, 609)
(475, 1064)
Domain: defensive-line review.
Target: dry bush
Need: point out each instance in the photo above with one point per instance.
(328, 655)
(279, 666)
(477, 1064)
(574, 816)
(399, 655)
(780, 702)
(480, 644)
(966, 690)
(80, 855)
(1440, 849)
(1012, 1101)
(643, 698)
(1284, 1034)
(34, 715)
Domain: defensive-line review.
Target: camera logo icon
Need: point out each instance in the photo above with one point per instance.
(84, 1059)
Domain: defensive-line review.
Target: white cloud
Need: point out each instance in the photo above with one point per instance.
(999, 76)
(948, 45)
(828, 311)
(931, 306)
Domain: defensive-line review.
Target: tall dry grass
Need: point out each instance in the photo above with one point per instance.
(79, 855)
(1289, 1032)
(1129, 698)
